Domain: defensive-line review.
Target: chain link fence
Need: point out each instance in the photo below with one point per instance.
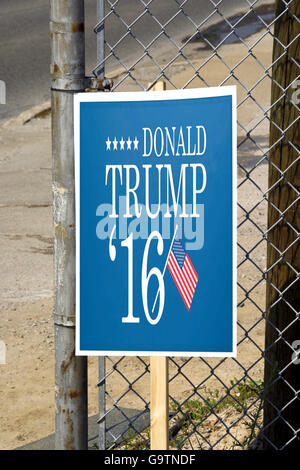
(230, 403)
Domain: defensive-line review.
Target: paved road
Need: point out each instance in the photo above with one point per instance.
(25, 48)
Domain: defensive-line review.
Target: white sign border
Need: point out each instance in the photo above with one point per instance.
(157, 96)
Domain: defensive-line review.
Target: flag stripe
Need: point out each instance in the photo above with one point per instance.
(176, 271)
(179, 276)
(187, 281)
(178, 286)
(187, 291)
(189, 274)
(192, 267)
(182, 272)
(190, 281)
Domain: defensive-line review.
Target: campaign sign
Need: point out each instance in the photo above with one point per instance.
(155, 215)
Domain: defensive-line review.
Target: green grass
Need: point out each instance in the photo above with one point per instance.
(239, 395)
(237, 399)
(134, 441)
(214, 402)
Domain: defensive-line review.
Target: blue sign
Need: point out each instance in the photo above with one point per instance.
(155, 210)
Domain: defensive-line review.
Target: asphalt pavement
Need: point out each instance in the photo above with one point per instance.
(25, 43)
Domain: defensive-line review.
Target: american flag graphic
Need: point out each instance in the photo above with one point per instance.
(182, 272)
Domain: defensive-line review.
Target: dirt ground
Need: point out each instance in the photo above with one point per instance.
(26, 303)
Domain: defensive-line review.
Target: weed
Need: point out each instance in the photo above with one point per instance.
(194, 413)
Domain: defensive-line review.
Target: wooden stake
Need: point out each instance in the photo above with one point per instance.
(159, 396)
(159, 383)
(159, 86)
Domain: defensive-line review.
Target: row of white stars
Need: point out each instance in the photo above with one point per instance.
(122, 143)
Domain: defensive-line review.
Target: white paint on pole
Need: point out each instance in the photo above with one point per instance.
(2, 92)
(2, 352)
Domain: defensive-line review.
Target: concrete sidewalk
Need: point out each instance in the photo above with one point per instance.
(26, 211)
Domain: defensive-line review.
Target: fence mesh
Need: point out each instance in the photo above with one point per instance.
(218, 404)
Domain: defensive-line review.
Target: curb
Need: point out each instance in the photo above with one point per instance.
(40, 110)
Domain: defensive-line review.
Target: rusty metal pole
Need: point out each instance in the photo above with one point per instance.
(68, 77)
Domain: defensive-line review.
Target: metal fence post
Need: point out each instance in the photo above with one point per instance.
(101, 364)
(68, 77)
(100, 38)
